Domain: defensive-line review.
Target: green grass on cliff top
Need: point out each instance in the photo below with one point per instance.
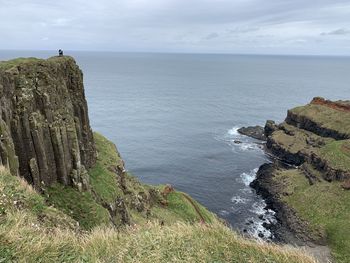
(14, 62)
(326, 117)
(337, 154)
(30, 232)
(325, 205)
(6, 65)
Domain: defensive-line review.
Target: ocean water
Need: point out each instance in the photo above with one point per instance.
(174, 117)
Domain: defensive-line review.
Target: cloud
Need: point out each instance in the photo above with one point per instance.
(340, 31)
(237, 26)
(60, 22)
(212, 36)
(242, 30)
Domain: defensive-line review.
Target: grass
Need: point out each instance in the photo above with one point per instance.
(337, 154)
(182, 208)
(326, 117)
(15, 62)
(25, 236)
(295, 140)
(106, 187)
(325, 205)
(102, 179)
(79, 205)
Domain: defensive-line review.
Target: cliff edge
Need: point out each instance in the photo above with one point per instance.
(308, 182)
(45, 135)
(85, 206)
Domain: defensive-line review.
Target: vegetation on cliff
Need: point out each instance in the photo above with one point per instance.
(65, 195)
(119, 199)
(32, 231)
(314, 138)
(324, 205)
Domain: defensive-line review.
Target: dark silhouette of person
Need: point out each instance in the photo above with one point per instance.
(60, 53)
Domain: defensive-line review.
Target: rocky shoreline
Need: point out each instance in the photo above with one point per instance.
(289, 228)
(257, 132)
(309, 147)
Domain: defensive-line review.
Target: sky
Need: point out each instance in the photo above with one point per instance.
(308, 27)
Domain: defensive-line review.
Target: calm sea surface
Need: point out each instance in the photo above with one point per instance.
(174, 117)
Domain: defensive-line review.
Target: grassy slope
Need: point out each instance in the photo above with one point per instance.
(325, 205)
(294, 139)
(337, 154)
(30, 231)
(106, 188)
(326, 117)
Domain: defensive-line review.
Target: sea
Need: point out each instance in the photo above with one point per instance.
(174, 117)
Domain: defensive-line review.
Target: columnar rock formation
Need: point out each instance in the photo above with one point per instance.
(45, 135)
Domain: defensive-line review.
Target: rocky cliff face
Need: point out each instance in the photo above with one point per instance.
(45, 135)
(316, 134)
(322, 117)
(305, 183)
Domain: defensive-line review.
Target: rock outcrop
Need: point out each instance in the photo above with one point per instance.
(289, 228)
(45, 135)
(309, 173)
(322, 117)
(256, 132)
(316, 134)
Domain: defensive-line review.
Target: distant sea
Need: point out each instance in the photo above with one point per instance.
(174, 117)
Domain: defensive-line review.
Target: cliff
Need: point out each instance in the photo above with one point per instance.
(44, 125)
(46, 138)
(307, 181)
(85, 206)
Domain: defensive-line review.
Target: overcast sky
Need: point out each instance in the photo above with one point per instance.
(224, 26)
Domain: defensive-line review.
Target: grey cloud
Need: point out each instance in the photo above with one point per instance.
(176, 25)
(212, 36)
(340, 31)
(243, 30)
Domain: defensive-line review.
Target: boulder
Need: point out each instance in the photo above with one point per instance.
(256, 132)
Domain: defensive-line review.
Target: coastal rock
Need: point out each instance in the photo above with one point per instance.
(278, 149)
(289, 228)
(310, 151)
(270, 127)
(44, 126)
(256, 132)
(312, 117)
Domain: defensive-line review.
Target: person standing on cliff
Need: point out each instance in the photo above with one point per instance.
(60, 53)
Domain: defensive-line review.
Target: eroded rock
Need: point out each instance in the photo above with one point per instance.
(44, 126)
(256, 132)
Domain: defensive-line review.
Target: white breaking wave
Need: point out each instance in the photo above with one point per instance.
(234, 131)
(238, 200)
(239, 141)
(256, 213)
(249, 177)
(257, 229)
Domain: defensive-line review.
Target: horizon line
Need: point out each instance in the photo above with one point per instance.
(181, 52)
